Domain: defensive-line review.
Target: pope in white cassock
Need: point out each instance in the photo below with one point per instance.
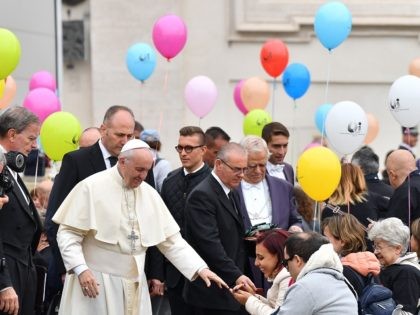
(106, 224)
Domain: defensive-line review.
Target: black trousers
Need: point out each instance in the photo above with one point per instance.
(176, 301)
(24, 282)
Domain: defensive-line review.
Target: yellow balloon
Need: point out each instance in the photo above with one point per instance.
(318, 172)
(2, 85)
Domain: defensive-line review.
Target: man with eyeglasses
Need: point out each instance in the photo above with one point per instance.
(320, 286)
(117, 128)
(215, 230)
(276, 135)
(175, 190)
(263, 198)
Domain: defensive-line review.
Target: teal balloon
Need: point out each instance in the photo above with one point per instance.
(332, 24)
(320, 116)
(296, 80)
(255, 121)
(141, 61)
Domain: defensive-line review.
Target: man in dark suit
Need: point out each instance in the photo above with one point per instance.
(405, 179)
(117, 128)
(216, 138)
(215, 230)
(277, 136)
(20, 227)
(263, 198)
(175, 190)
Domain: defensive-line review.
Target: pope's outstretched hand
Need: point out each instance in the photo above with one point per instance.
(207, 275)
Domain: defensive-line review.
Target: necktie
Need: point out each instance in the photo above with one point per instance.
(232, 201)
(113, 160)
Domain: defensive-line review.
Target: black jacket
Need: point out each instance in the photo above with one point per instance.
(175, 189)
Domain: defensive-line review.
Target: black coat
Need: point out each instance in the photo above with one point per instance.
(20, 230)
(381, 193)
(215, 230)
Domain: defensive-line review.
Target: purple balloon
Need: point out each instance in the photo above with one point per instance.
(42, 79)
(42, 102)
(200, 94)
(237, 97)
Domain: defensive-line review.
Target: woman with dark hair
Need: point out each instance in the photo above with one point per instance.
(269, 256)
(306, 206)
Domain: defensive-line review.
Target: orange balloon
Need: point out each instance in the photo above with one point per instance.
(414, 67)
(274, 57)
(255, 93)
(373, 128)
(9, 92)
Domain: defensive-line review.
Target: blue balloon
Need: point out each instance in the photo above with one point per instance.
(296, 80)
(332, 24)
(321, 115)
(141, 61)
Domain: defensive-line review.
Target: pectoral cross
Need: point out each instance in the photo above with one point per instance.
(133, 237)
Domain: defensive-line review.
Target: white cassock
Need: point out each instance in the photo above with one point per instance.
(96, 220)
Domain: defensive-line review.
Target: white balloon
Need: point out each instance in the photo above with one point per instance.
(346, 127)
(404, 100)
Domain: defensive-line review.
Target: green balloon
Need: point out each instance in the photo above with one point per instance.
(9, 52)
(255, 121)
(60, 134)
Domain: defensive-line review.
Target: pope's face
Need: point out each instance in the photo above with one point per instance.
(135, 166)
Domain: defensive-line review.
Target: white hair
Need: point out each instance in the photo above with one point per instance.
(391, 230)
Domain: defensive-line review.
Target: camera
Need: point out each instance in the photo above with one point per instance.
(15, 161)
(6, 183)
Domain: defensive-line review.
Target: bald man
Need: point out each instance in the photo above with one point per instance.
(404, 177)
(89, 137)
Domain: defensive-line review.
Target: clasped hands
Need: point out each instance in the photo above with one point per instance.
(243, 290)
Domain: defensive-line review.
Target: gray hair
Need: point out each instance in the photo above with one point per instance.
(367, 160)
(391, 230)
(229, 148)
(254, 144)
(18, 118)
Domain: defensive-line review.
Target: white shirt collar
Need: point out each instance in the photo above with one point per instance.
(199, 168)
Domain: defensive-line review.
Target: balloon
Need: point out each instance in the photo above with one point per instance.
(414, 67)
(9, 92)
(332, 24)
(404, 100)
(321, 115)
(274, 57)
(346, 127)
(9, 52)
(200, 94)
(255, 93)
(237, 97)
(318, 172)
(42, 102)
(42, 79)
(255, 121)
(2, 86)
(60, 134)
(296, 80)
(169, 35)
(141, 61)
(373, 128)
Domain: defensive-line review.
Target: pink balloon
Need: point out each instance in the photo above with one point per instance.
(169, 35)
(200, 94)
(42, 102)
(237, 97)
(42, 79)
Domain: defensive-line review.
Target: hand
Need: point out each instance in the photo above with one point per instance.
(9, 302)
(240, 295)
(295, 229)
(156, 288)
(207, 275)
(88, 283)
(3, 200)
(247, 283)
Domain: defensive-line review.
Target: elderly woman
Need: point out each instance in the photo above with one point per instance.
(400, 270)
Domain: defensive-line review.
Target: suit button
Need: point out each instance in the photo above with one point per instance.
(18, 227)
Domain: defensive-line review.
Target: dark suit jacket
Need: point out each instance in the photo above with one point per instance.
(20, 230)
(215, 231)
(381, 193)
(284, 212)
(289, 173)
(398, 205)
(76, 166)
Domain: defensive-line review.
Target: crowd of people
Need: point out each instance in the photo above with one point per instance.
(117, 231)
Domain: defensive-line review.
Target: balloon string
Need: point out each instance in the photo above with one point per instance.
(317, 213)
(36, 169)
(274, 96)
(141, 100)
(326, 92)
(409, 201)
(199, 122)
(294, 132)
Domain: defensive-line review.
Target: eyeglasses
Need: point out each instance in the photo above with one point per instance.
(253, 167)
(285, 262)
(187, 148)
(377, 248)
(235, 170)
